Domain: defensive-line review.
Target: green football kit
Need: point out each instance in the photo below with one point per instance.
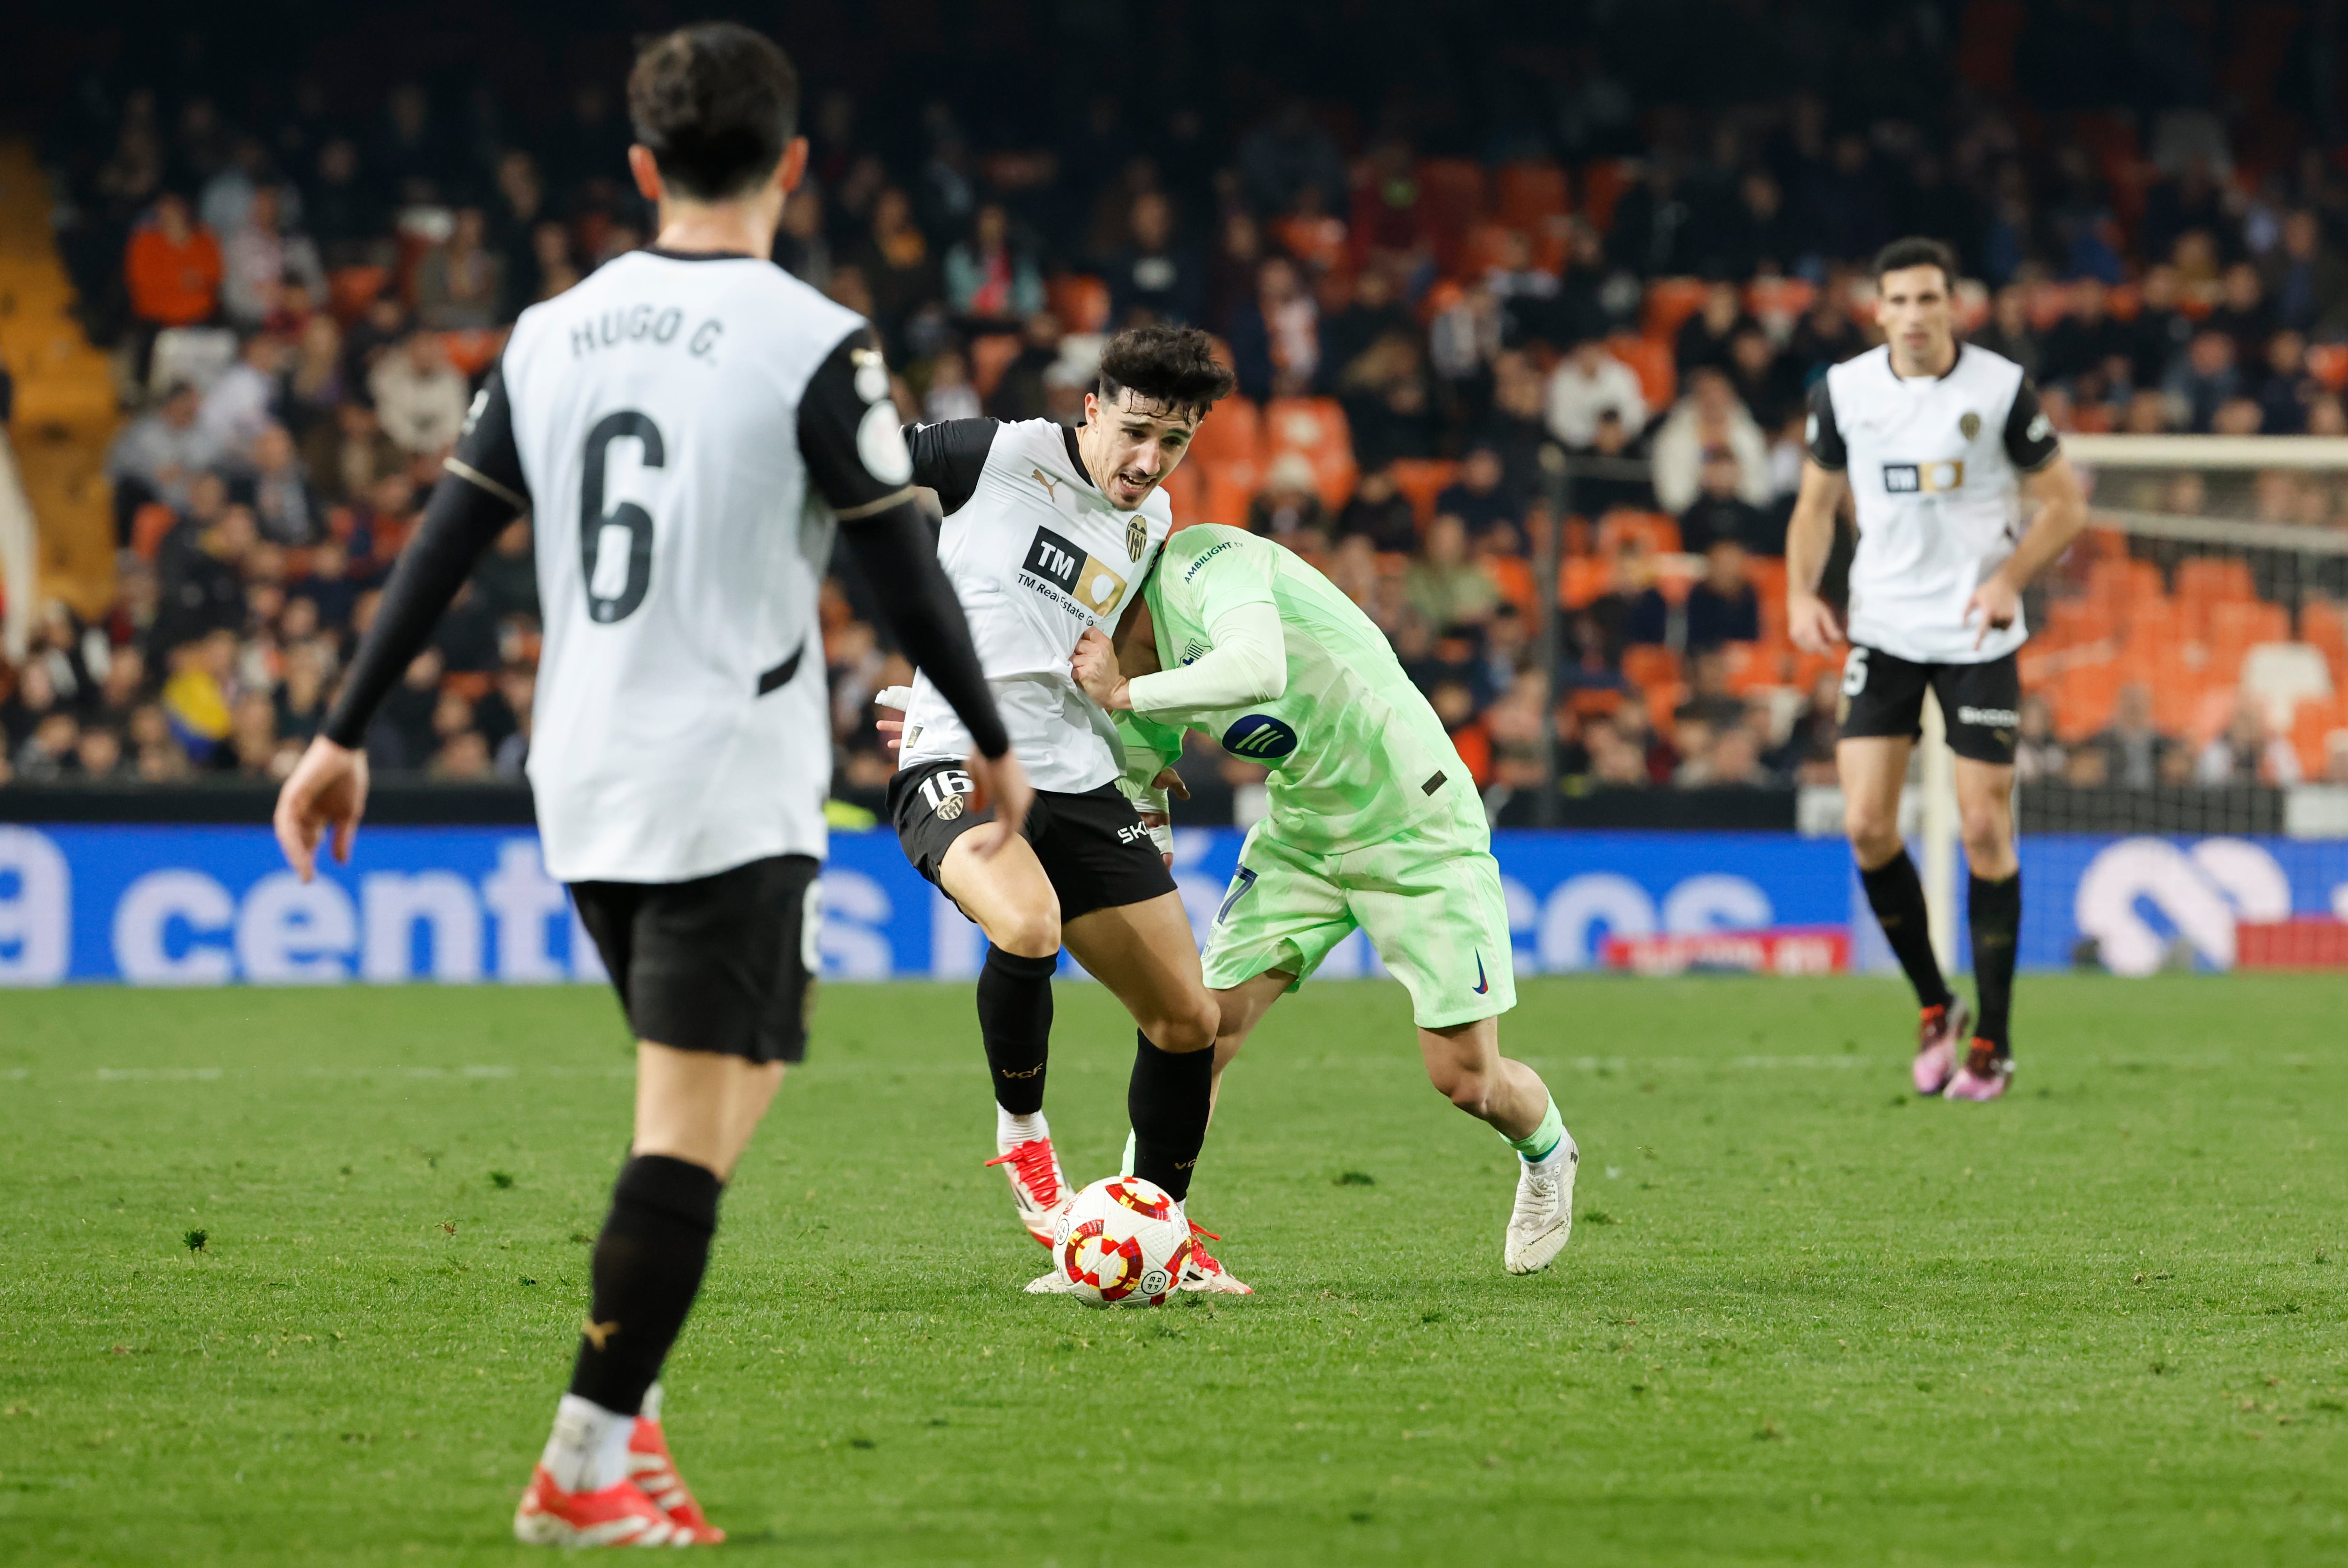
(1375, 822)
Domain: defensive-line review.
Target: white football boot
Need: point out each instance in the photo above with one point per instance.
(1543, 1217)
(1201, 1270)
(1039, 1189)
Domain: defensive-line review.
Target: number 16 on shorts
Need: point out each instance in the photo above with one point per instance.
(944, 790)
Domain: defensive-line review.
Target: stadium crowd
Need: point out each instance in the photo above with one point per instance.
(304, 302)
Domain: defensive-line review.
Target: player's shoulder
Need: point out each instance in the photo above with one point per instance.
(1859, 372)
(1189, 550)
(1987, 370)
(1046, 440)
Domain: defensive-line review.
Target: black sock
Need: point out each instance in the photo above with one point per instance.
(1168, 1102)
(1897, 896)
(647, 1268)
(1015, 1019)
(1993, 910)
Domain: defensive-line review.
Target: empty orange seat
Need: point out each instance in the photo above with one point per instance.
(1513, 576)
(2325, 624)
(2314, 726)
(471, 349)
(1654, 530)
(1079, 300)
(1670, 302)
(2081, 620)
(1649, 665)
(1603, 184)
(1651, 359)
(1422, 479)
(2207, 580)
(1186, 493)
(1528, 193)
(1581, 579)
(1486, 246)
(149, 524)
(350, 290)
(1752, 667)
(2238, 623)
(1232, 432)
(2328, 363)
(1227, 488)
(1316, 427)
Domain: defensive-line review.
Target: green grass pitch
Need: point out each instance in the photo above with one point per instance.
(1803, 1318)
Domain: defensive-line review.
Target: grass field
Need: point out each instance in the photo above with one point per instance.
(1803, 1318)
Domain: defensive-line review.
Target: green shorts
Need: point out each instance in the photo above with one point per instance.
(1429, 898)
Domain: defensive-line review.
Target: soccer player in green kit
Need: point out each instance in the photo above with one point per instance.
(1374, 823)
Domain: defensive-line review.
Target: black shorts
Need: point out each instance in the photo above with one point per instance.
(723, 963)
(1884, 695)
(1093, 845)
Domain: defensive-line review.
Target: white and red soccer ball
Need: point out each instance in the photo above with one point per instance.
(1122, 1243)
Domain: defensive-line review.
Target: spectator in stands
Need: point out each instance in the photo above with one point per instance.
(2008, 331)
(1827, 335)
(173, 268)
(461, 283)
(1723, 606)
(1288, 154)
(1704, 336)
(1019, 393)
(989, 278)
(2242, 312)
(1709, 419)
(1596, 298)
(156, 455)
(1768, 383)
(1384, 396)
(2039, 757)
(1289, 506)
(1586, 382)
(200, 571)
(1381, 513)
(2287, 391)
(1444, 587)
(950, 395)
(283, 505)
(1370, 315)
(418, 396)
(1275, 337)
(1478, 497)
(344, 459)
(2244, 752)
(1524, 296)
(2306, 278)
(2203, 381)
(2134, 752)
(1720, 514)
(1154, 272)
(248, 394)
(2087, 339)
(898, 266)
(2161, 328)
(258, 257)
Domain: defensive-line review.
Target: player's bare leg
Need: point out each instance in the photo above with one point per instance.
(606, 1477)
(1993, 911)
(1012, 899)
(1874, 769)
(1465, 1065)
(1145, 954)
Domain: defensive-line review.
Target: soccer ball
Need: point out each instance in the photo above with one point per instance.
(1122, 1243)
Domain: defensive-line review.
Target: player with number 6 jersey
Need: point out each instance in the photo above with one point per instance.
(690, 429)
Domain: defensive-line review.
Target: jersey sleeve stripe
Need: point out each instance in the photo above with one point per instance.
(464, 470)
(874, 508)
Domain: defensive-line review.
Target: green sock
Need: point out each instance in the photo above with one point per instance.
(1542, 1141)
(1125, 1166)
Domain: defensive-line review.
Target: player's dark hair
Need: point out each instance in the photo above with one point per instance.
(716, 103)
(1173, 366)
(1918, 251)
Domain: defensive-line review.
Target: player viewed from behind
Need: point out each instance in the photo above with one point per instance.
(1046, 531)
(1374, 825)
(1938, 441)
(686, 426)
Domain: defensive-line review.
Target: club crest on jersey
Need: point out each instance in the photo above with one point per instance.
(1054, 558)
(1923, 479)
(1969, 424)
(1259, 737)
(1137, 537)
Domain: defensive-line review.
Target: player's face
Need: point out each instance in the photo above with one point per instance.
(1134, 443)
(1917, 313)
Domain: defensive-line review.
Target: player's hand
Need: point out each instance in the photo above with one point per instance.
(327, 788)
(1811, 621)
(892, 699)
(1159, 823)
(1003, 784)
(1997, 601)
(1094, 667)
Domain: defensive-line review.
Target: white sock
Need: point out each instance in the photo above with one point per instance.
(1125, 1164)
(588, 1450)
(1011, 1129)
(651, 1412)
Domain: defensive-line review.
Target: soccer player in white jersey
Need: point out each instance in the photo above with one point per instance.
(1939, 442)
(1048, 530)
(687, 426)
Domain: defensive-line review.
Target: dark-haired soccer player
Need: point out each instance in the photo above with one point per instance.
(1046, 531)
(687, 426)
(1939, 442)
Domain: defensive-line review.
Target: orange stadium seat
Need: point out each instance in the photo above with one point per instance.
(1581, 579)
(1603, 184)
(1670, 302)
(2084, 697)
(2328, 363)
(2325, 624)
(1780, 299)
(1652, 359)
(1513, 576)
(1529, 192)
(1552, 244)
(1649, 665)
(1186, 493)
(350, 290)
(1654, 530)
(1485, 248)
(1233, 432)
(1752, 667)
(471, 349)
(1227, 486)
(1422, 479)
(1452, 198)
(1079, 300)
(1316, 427)
(2313, 726)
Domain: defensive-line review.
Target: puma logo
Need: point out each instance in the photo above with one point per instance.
(1051, 489)
(598, 1334)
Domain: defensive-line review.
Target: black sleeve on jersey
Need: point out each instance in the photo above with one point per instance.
(482, 491)
(882, 523)
(1824, 435)
(2030, 440)
(949, 456)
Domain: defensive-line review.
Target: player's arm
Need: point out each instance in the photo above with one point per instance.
(949, 456)
(857, 461)
(482, 491)
(1248, 664)
(1810, 537)
(2048, 479)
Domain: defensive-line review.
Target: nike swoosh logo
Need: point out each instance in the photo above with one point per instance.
(1482, 985)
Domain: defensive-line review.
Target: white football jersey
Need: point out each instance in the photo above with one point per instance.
(1036, 554)
(1935, 467)
(681, 725)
